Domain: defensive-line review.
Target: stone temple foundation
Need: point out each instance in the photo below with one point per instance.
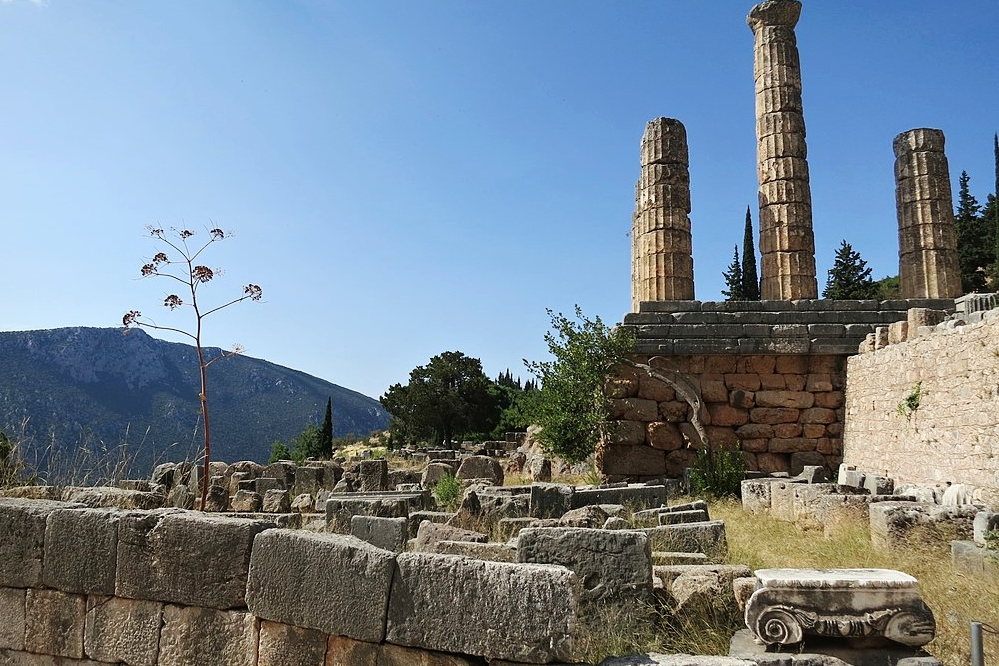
(662, 264)
(927, 238)
(787, 245)
(769, 375)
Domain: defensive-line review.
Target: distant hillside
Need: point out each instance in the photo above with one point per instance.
(74, 395)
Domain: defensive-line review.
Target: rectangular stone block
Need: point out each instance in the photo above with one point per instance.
(385, 533)
(636, 496)
(343, 651)
(285, 645)
(185, 557)
(550, 500)
(123, 630)
(12, 614)
(522, 612)
(416, 517)
(22, 540)
(333, 583)
(54, 623)
(707, 537)
(81, 550)
(493, 552)
(339, 510)
(612, 565)
(194, 636)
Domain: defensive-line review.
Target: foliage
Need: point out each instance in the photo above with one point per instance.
(279, 451)
(910, 403)
(718, 473)
(516, 402)
(750, 276)
(733, 280)
(849, 278)
(191, 276)
(889, 288)
(445, 399)
(991, 539)
(570, 403)
(326, 431)
(447, 491)
(975, 238)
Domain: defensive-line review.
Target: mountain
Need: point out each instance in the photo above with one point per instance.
(79, 398)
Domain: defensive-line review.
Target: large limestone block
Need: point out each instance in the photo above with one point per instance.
(343, 651)
(193, 636)
(81, 550)
(333, 583)
(386, 533)
(895, 524)
(54, 623)
(481, 467)
(633, 460)
(339, 510)
(12, 612)
(707, 537)
(610, 564)
(22, 540)
(185, 557)
(123, 630)
(396, 655)
(521, 612)
(285, 645)
(373, 475)
(430, 533)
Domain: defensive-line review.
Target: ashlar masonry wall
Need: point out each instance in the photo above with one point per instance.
(953, 433)
(168, 587)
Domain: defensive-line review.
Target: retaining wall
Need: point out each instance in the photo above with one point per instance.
(953, 433)
(170, 587)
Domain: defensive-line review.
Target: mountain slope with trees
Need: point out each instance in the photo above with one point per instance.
(77, 395)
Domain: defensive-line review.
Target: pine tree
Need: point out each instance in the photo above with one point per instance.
(326, 432)
(975, 243)
(750, 278)
(849, 278)
(733, 280)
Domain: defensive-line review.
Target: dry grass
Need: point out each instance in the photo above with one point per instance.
(956, 600)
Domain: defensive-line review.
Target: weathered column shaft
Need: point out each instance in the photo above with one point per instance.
(787, 244)
(928, 263)
(662, 268)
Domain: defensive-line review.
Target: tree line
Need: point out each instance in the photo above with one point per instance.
(976, 227)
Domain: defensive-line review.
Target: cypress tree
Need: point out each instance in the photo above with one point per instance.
(850, 277)
(733, 280)
(975, 247)
(750, 277)
(995, 201)
(326, 433)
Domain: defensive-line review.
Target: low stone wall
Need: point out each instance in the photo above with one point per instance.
(170, 587)
(927, 410)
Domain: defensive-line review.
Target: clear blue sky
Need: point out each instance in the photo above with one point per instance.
(406, 178)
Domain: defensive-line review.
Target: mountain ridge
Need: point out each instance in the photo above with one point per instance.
(80, 389)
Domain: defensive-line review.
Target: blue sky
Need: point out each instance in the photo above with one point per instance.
(406, 178)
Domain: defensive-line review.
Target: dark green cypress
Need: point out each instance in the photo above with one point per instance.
(733, 280)
(750, 277)
(326, 434)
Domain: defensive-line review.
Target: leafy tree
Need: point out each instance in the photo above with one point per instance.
(750, 276)
(279, 451)
(191, 276)
(516, 404)
(889, 287)
(733, 280)
(849, 278)
(326, 432)
(570, 405)
(975, 238)
(447, 398)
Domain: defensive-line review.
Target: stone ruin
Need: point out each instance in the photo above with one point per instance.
(771, 374)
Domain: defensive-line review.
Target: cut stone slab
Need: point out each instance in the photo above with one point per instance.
(707, 538)
(22, 539)
(193, 636)
(636, 495)
(123, 630)
(493, 552)
(54, 623)
(81, 547)
(184, 557)
(481, 467)
(431, 533)
(333, 583)
(12, 612)
(969, 558)
(792, 603)
(385, 533)
(817, 651)
(284, 645)
(428, 588)
(550, 500)
(340, 509)
(893, 524)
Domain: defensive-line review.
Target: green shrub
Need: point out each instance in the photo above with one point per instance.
(447, 491)
(718, 473)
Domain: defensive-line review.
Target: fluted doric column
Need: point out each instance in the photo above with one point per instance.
(928, 263)
(662, 267)
(787, 244)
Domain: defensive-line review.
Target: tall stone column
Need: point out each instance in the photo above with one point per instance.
(787, 245)
(662, 267)
(928, 263)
